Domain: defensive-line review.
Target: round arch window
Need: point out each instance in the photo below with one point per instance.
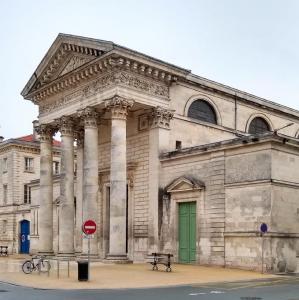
(202, 110)
(258, 125)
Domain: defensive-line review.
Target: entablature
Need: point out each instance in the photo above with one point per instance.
(98, 73)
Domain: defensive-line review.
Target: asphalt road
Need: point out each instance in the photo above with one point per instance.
(278, 289)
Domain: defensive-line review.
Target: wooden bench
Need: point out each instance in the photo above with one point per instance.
(156, 259)
(3, 250)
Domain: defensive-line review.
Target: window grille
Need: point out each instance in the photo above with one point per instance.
(202, 110)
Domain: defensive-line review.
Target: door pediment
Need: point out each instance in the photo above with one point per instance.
(184, 184)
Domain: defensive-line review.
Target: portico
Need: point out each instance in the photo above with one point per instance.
(95, 95)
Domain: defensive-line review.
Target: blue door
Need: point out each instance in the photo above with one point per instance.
(25, 236)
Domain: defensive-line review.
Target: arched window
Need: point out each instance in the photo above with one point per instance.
(202, 110)
(258, 125)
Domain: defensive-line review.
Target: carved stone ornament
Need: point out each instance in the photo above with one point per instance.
(161, 117)
(45, 132)
(66, 125)
(89, 116)
(119, 107)
(104, 82)
(75, 62)
(124, 72)
(129, 80)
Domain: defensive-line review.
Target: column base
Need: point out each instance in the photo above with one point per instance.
(93, 257)
(117, 259)
(65, 255)
(45, 253)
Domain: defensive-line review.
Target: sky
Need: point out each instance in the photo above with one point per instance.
(251, 45)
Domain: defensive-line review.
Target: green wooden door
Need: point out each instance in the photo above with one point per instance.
(187, 232)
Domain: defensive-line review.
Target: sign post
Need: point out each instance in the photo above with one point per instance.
(89, 228)
(263, 230)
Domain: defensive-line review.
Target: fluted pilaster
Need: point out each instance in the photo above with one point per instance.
(158, 143)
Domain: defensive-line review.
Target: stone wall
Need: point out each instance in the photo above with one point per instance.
(182, 95)
(209, 169)
(258, 191)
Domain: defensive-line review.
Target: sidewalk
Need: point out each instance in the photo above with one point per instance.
(107, 276)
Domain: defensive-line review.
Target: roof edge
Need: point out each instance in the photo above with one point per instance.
(242, 94)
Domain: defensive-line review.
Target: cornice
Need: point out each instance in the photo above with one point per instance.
(245, 141)
(33, 147)
(100, 66)
(20, 146)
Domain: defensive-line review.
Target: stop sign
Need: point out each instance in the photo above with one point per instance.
(89, 227)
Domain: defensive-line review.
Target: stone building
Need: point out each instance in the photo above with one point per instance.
(19, 166)
(166, 161)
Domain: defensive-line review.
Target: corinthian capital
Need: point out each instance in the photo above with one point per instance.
(161, 117)
(119, 107)
(89, 116)
(45, 132)
(66, 124)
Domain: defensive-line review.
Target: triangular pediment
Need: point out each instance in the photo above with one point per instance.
(73, 59)
(66, 54)
(184, 184)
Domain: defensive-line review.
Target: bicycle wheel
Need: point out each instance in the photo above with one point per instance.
(44, 266)
(27, 267)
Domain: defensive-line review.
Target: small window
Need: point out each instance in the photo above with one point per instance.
(258, 126)
(55, 167)
(4, 226)
(4, 165)
(178, 145)
(75, 169)
(29, 167)
(202, 110)
(27, 194)
(4, 194)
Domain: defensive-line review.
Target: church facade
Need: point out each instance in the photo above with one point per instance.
(165, 161)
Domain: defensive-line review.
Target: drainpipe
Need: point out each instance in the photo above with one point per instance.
(236, 110)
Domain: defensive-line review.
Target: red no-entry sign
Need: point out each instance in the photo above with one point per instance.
(89, 227)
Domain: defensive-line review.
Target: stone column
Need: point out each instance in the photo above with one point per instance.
(45, 212)
(90, 174)
(158, 143)
(118, 177)
(66, 219)
(79, 191)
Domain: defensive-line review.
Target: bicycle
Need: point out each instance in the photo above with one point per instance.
(37, 263)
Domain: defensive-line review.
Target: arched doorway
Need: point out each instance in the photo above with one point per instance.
(24, 236)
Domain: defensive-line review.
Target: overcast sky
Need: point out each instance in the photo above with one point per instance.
(250, 45)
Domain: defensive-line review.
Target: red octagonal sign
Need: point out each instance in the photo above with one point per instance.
(89, 227)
